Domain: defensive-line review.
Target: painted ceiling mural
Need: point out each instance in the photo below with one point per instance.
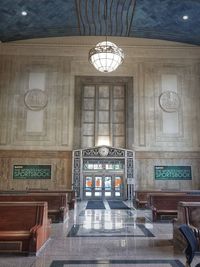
(173, 20)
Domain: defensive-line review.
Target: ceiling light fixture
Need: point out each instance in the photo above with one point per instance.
(24, 13)
(185, 17)
(106, 56)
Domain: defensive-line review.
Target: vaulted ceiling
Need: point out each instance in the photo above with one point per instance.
(156, 19)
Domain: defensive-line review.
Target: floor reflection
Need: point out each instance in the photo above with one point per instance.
(94, 238)
(115, 223)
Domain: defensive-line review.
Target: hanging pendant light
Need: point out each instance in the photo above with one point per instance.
(106, 56)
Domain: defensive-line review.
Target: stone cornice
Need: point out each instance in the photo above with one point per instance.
(34, 154)
(167, 155)
(81, 51)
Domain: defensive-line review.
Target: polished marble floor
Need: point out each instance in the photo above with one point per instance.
(105, 238)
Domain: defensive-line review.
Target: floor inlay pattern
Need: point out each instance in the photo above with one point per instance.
(138, 263)
(110, 223)
(131, 230)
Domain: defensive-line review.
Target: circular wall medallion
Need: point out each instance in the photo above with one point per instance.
(169, 101)
(35, 99)
(103, 151)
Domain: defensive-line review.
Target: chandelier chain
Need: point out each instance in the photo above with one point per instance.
(106, 56)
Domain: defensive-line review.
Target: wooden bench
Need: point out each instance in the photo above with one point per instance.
(188, 213)
(141, 197)
(167, 203)
(71, 199)
(57, 202)
(24, 226)
(70, 193)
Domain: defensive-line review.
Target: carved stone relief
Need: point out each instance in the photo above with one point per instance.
(35, 99)
(169, 101)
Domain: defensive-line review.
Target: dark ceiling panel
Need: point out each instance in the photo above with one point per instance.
(44, 18)
(159, 19)
(101, 17)
(163, 19)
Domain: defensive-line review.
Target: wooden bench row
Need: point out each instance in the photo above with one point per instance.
(70, 194)
(167, 204)
(26, 217)
(141, 196)
(24, 226)
(164, 203)
(59, 202)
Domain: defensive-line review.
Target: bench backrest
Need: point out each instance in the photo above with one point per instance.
(143, 195)
(189, 213)
(21, 216)
(170, 201)
(54, 200)
(71, 193)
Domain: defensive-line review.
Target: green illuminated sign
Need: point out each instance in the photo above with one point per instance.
(173, 172)
(32, 172)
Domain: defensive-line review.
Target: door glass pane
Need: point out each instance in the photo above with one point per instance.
(117, 182)
(97, 194)
(88, 183)
(117, 194)
(88, 194)
(107, 194)
(98, 183)
(107, 183)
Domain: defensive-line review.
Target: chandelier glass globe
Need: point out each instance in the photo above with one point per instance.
(106, 56)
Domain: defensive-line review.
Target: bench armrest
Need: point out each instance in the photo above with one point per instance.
(34, 229)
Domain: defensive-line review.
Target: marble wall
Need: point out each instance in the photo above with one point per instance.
(145, 173)
(37, 106)
(60, 162)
